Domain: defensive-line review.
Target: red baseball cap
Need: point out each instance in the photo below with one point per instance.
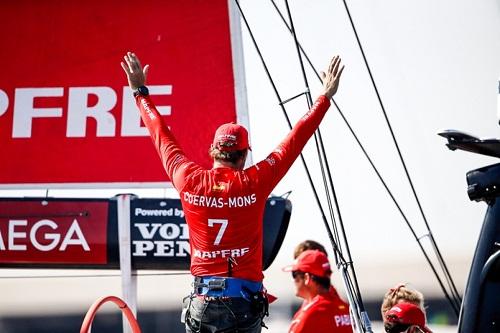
(313, 262)
(231, 137)
(407, 313)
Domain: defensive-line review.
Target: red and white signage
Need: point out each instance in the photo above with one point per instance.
(67, 117)
(52, 232)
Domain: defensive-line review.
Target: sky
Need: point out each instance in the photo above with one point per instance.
(436, 66)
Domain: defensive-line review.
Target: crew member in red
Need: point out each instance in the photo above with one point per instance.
(322, 310)
(405, 317)
(343, 307)
(224, 206)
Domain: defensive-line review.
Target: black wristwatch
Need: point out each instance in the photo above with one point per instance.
(142, 90)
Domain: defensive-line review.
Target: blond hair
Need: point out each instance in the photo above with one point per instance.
(227, 156)
(308, 245)
(401, 293)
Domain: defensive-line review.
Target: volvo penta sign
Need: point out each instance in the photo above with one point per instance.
(159, 233)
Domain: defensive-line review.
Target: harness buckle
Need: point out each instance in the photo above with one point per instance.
(217, 284)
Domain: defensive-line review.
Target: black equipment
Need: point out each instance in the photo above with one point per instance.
(480, 311)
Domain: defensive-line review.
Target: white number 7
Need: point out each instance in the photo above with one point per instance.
(223, 227)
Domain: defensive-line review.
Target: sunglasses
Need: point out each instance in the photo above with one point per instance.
(396, 327)
(296, 274)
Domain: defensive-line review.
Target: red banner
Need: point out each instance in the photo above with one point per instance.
(66, 114)
(52, 232)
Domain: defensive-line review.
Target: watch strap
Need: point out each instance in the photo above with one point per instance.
(141, 91)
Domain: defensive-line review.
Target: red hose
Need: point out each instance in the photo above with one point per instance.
(89, 317)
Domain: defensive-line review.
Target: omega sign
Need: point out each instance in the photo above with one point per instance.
(53, 232)
(18, 238)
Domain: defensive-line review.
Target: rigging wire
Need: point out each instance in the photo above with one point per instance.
(318, 141)
(316, 196)
(403, 163)
(323, 163)
(322, 156)
(374, 169)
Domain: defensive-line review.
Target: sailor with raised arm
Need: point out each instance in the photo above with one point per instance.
(224, 207)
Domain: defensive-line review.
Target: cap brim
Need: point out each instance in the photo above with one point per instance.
(288, 268)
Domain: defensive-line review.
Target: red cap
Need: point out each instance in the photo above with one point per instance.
(313, 262)
(231, 137)
(406, 313)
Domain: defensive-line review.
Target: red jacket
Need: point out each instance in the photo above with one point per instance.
(325, 313)
(224, 207)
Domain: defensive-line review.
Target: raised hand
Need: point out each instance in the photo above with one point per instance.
(332, 77)
(136, 75)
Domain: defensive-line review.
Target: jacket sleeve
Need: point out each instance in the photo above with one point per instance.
(172, 157)
(275, 166)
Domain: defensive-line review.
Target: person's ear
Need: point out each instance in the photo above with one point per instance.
(244, 158)
(307, 278)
